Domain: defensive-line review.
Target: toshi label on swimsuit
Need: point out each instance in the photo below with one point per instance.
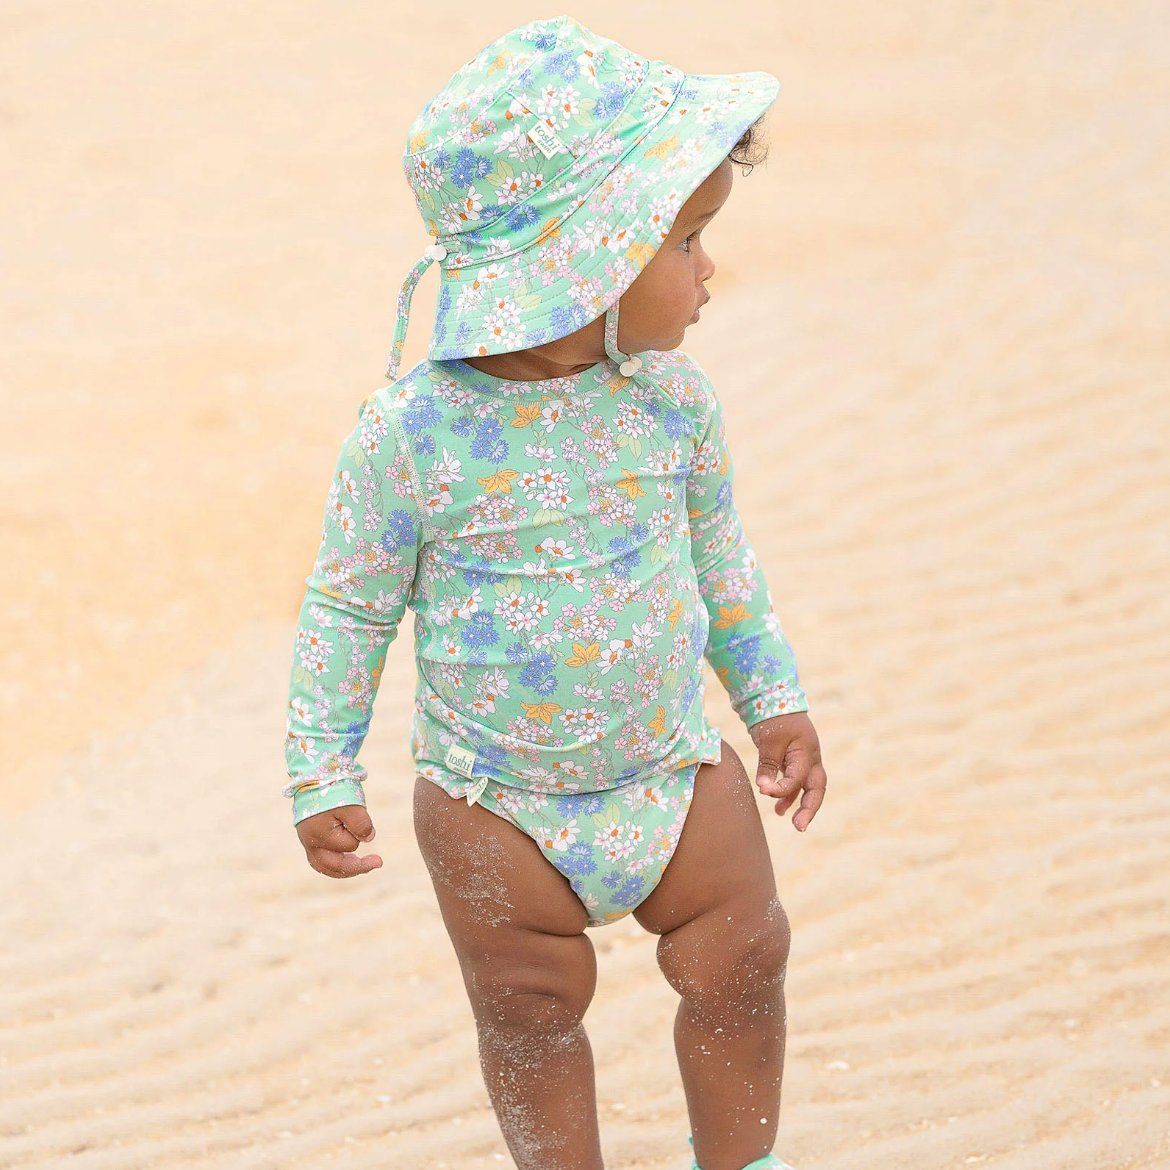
(476, 790)
(461, 760)
(546, 140)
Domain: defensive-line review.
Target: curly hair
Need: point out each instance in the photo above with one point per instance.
(752, 147)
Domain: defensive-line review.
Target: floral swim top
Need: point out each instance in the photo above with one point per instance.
(570, 549)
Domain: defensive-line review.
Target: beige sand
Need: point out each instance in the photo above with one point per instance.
(939, 326)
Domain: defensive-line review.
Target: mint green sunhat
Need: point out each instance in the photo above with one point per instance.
(549, 170)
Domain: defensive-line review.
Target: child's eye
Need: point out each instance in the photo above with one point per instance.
(686, 244)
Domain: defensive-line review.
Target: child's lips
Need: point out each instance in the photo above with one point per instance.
(697, 311)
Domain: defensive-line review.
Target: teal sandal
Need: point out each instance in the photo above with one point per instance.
(767, 1162)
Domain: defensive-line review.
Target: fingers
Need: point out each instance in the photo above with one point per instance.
(331, 837)
(771, 761)
(341, 865)
(813, 798)
(797, 762)
(355, 818)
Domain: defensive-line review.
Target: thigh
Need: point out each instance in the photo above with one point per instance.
(722, 860)
(513, 918)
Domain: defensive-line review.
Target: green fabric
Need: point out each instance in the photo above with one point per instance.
(570, 548)
(613, 846)
(550, 168)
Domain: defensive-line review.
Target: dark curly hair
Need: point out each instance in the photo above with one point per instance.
(752, 147)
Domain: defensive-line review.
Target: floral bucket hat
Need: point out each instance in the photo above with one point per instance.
(549, 170)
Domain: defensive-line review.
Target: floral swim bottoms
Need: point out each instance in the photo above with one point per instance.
(613, 845)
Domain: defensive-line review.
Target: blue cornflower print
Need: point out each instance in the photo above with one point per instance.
(609, 105)
(355, 733)
(628, 556)
(487, 443)
(676, 424)
(420, 414)
(577, 860)
(746, 649)
(562, 64)
(521, 216)
(469, 167)
(479, 573)
(480, 631)
(539, 674)
(399, 530)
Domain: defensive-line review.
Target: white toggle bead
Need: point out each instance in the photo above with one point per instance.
(630, 367)
(436, 252)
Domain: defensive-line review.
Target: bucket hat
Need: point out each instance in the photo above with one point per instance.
(549, 170)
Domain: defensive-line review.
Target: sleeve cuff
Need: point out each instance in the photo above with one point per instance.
(785, 699)
(308, 802)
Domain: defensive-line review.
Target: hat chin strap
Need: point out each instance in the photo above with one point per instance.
(628, 365)
(435, 252)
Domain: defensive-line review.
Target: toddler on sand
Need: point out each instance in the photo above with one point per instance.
(551, 493)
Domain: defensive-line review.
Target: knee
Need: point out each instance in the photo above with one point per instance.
(726, 963)
(544, 1001)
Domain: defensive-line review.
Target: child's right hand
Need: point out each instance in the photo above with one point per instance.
(330, 837)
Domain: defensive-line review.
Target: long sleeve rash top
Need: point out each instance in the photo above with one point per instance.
(570, 549)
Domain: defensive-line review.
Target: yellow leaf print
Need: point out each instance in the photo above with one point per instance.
(729, 615)
(676, 611)
(640, 254)
(550, 230)
(542, 711)
(658, 723)
(629, 483)
(500, 61)
(664, 149)
(526, 413)
(583, 655)
(417, 142)
(726, 461)
(499, 481)
(617, 384)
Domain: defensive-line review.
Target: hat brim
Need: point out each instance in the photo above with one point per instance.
(686, 145)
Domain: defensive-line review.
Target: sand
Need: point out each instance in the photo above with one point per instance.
(939, 328)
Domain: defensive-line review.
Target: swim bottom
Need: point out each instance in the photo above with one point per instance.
(612, 845)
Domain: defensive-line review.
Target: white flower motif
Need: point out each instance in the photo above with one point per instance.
(471, 206)
(556, 837)
(552, 414)
(300, 710)
(466, 606)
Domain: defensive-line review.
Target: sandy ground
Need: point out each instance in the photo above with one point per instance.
(939, 327)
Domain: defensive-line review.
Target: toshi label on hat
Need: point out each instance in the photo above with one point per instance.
(545, 139)
(461, 760)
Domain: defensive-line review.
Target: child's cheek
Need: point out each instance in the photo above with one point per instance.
(660, 303)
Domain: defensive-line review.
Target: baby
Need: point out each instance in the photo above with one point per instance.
(551, 493)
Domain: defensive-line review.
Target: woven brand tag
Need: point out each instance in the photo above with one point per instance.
(545, 139)
(476, 790)
(461, 760)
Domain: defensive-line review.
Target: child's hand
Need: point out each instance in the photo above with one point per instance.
(789, 744)
(330, 837)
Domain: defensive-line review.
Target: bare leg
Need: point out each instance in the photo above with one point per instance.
(518, 931)
(723, 948)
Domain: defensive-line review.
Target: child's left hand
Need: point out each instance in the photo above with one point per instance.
(788, 744)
